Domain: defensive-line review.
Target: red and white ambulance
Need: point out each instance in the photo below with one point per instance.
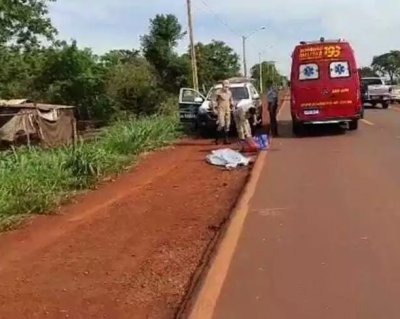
(325, 84)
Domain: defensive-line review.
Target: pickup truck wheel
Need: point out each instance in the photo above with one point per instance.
(205, 132)
(353, 125)
(385, 104)
(194, 127)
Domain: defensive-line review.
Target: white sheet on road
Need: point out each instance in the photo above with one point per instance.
(228, 158)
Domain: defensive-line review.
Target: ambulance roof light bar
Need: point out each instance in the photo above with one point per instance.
(321, 40)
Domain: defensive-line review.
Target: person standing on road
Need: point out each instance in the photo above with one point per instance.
(223, 102)
(272, 97)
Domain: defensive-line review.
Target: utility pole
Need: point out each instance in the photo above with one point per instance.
(244, 38)
(244, 56)
(261, 75)
(192, 47)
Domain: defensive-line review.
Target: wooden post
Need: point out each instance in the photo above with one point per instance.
(192, 47)
(244, 56)
(28, 138)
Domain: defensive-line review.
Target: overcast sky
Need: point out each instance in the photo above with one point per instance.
(102, 25)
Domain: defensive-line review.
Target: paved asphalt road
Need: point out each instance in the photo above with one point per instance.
(322, 238)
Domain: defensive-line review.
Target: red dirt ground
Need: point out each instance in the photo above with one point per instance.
(126, 250)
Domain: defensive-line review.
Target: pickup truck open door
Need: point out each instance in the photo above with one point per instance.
(189, 102)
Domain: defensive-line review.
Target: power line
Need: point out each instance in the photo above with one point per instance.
(219, 18)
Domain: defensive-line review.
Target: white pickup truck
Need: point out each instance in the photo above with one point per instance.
(196, 109)
(375, 91)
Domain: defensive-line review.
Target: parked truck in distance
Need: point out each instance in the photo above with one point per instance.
(375, 91)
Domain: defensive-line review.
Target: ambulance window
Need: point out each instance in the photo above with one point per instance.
(309, 71)
(339, 69)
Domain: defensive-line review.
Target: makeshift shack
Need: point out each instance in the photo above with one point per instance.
(50, 125)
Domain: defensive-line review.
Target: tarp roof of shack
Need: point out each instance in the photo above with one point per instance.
(28, 104)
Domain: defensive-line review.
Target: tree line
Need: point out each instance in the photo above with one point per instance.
(385, 65)
(270, 75)
(139, 81)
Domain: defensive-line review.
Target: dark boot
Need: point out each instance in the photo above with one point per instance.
(217, 137)
(226, 138)
(275, 132)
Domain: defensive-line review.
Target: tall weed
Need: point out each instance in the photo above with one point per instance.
(34, 180)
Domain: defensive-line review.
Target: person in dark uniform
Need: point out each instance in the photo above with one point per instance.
(272, 96)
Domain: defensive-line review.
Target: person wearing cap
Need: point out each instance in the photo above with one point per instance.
(222, 103)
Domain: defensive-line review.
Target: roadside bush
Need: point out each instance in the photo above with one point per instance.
(133, 87)
(35, 181)
(169, 106)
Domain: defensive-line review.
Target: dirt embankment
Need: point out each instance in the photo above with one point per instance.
(126, 250)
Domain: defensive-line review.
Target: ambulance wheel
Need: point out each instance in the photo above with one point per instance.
(297, 128)
(385, 104)
(353, 125)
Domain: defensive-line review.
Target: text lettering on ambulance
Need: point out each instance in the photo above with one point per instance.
(336, 91)
(325, 103)
(320, 52)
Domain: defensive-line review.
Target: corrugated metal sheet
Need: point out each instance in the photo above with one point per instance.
(14, 102)
(28, 104)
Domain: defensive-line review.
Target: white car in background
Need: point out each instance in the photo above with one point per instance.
(196, 109)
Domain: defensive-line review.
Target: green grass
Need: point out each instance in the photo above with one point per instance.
(35, 181)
